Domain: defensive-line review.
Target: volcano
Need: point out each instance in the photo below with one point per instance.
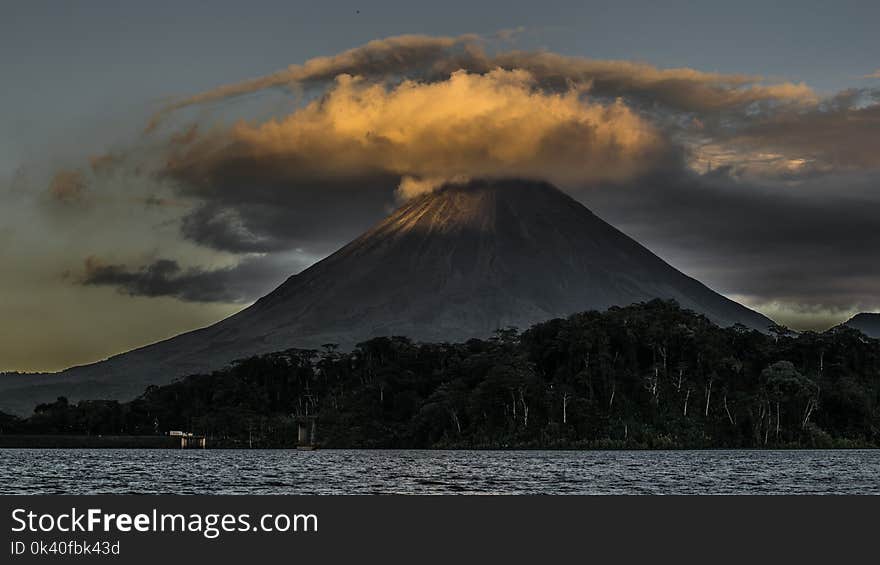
(457, 263)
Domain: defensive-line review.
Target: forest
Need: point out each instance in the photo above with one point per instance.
(647, 376)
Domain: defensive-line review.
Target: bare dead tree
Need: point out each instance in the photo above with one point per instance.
(812, 404)
(454, 414)
(729, 416)
(808, 410)
(525, 408)
(708, 396)
(778, 412)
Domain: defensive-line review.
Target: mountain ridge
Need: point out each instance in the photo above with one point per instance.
(866, 322)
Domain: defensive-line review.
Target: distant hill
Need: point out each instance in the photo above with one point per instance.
(457, 263)
(867, 323)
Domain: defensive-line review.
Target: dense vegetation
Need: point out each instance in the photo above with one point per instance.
(647, 376)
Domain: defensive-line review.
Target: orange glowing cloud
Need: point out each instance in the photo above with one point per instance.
(471, 125)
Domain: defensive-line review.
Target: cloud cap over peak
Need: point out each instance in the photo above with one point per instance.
(470, 126)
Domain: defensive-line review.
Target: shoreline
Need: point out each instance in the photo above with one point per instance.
(61, 441)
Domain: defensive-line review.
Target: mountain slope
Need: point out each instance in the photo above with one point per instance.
(867, 323)
(457, 263)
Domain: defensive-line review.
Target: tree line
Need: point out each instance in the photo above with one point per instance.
(650, 375)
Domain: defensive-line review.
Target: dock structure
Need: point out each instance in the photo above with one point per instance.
(306, 437)
(188, 440)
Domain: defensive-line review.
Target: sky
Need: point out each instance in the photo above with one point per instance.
(164, 164)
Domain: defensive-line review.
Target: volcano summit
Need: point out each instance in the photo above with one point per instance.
(457, 263)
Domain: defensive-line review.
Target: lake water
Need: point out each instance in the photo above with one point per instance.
(83, 471)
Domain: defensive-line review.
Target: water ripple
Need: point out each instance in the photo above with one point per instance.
(87, 471)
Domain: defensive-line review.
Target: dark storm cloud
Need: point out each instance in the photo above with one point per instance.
(225, 228)
(246, 281)
(253, 212)
(809, 244)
